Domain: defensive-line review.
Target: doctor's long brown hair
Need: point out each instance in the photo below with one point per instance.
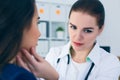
(92, 7)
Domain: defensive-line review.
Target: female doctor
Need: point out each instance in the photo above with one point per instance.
(82, 58)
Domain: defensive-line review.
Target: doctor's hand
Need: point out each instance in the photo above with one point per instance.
(36, 64)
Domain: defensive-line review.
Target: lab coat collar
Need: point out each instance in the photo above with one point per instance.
(65, 50)
(94, 54)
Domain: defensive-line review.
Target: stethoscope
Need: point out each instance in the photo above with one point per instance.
(68, 62)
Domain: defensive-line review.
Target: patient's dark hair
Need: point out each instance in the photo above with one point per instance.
(15, 16)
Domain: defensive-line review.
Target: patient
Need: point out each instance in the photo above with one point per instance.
(18, 31)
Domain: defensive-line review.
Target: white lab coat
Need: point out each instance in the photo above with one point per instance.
(107, 66)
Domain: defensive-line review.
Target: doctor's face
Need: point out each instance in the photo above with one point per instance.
(83, 30)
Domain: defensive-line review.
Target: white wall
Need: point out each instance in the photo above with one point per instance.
(110, 35)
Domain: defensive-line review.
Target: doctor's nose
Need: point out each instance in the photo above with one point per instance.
(79, 36)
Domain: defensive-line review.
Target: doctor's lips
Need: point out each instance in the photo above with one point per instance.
(77, 44)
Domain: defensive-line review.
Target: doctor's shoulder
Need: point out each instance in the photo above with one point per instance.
(55, 51)
(53, 54)
(109, 63)
(109, 57)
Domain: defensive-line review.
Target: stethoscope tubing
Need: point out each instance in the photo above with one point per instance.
(68, 62)
(92, 65)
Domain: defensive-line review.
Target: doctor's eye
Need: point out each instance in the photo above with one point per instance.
(73, 27)
(88, 30)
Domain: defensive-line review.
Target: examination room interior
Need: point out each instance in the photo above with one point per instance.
(54, 19)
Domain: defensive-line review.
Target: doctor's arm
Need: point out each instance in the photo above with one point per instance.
(37, 65)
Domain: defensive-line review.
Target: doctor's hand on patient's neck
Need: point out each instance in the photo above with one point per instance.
(36, 64)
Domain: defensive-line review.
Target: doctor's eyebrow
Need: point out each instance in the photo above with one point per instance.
(89, 28)
(72, 24)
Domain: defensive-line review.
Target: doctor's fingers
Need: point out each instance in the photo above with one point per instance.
(25, 64)
(36, 56)
(32, 68)
(28, 66)
(32, 57)
(21, 63)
